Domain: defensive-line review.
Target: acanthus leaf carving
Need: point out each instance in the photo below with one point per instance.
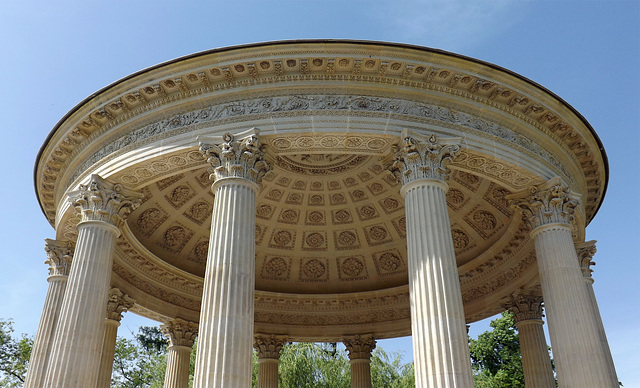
(100, 200)
(552, 202)
(235, 158)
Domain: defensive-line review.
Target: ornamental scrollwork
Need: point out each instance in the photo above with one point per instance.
(59, 256)
(100, 200)
(546, 204)
(585, 252)
(180, 332)
(525, 305)
(235, 157)
(428, 158)
(117, 303)
(360, 346)
(269, 346)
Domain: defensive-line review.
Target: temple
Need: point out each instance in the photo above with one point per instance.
(320, 191)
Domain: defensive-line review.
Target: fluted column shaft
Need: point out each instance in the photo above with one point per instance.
(360, 348)
(75, 357)
(440, 345)
(439, 334)
(526, 307)
(581, 355)
(177, 374)
(536, 364)
(360, 373)
(59, 260)
(117, 303)
(181, 335)
(268, 372)
(226, 333)
(580, 352)
(585, 252)
(226, 318)
(108, 353)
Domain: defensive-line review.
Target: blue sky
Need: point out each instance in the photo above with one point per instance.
(54, 54)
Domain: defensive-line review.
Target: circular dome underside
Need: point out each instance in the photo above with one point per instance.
(324, 223)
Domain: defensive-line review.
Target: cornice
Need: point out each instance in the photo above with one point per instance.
(400, 66)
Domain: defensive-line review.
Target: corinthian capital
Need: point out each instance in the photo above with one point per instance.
(360, 347)
(180, 332)
(585, 252)
(552, 202)
(100, 200)
(525, 305)
(269, 346)
(117, 304)
(59, 255)
(237, 156)
(420, 157)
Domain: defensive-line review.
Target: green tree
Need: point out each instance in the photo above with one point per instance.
(495, 355)
(141, 362)
(14, 356)
(388, 371)
(310, 365)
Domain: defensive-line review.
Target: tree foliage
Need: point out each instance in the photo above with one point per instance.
(310, 365)
(141, 362)
(495, 355)
(14, 356)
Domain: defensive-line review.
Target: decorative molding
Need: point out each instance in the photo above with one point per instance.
(230, 158)
(585, 251)
(269, 345)
(59, 256)
(360, 347)
(422, 157)
(550, 203)
(502, 279)
(525, 305)
(118, 303)
(180, 332)
(100, 200)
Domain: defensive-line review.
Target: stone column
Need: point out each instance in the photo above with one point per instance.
(117, 303)
(269, 348)
(226, 334)
(59, 254)
(585, 252)
(77, 346)
(181, 335)
(526, 307)
(581, 354)
(440, 345)
(360, 348)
